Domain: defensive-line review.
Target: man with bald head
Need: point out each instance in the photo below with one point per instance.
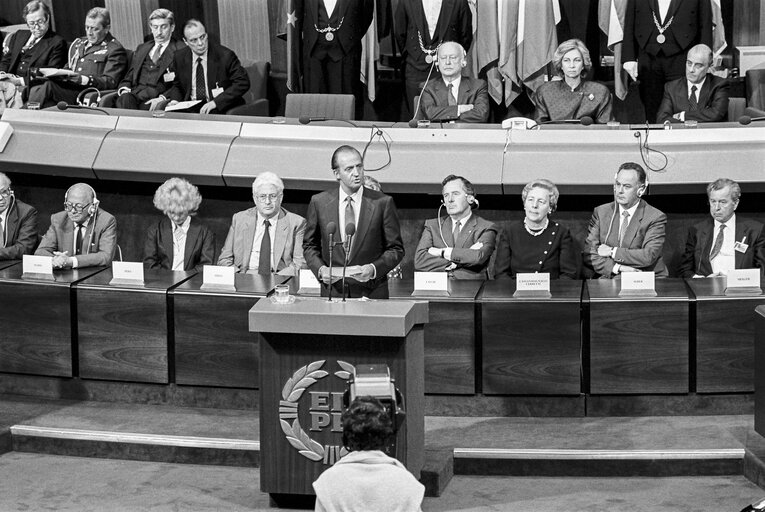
(18, 224)
(83, 235)
(454, 96)
(699, 96)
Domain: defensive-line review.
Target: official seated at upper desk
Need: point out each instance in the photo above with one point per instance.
(626, 235)
(83, 235)
(461, 243)
(537, 244)
(267, 238)
(572, 97)
(97, 61)
(38, 47)
(18, 224)
(151, 69)
(206, 72)
(178, 241)
(724, 241)
(454, 96)
(699, 96)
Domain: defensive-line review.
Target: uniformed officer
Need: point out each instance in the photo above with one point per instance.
(97, 60)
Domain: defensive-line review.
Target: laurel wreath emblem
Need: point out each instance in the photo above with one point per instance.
(293, 389)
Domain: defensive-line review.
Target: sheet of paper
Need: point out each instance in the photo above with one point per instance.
(52, 72)
(182, 105)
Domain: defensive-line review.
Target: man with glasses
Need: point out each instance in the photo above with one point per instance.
(151, 70)
(454, 96)
(83, 235)
(18, 224)
(96, 61)
(267, 238)
(207, 73)
(38, 47)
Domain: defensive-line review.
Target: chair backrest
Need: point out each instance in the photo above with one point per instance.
(331, 106)
(258, 74)
(755, 88)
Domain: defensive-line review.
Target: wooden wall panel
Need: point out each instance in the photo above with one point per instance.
(129, 20)
(70, 16)
(244, 28)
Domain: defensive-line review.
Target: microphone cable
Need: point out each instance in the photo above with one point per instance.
(378, 135)
(645, 151)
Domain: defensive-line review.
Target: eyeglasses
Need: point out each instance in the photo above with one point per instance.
(267, 197)
(37, 24)
(197, 40)
(6, 193)
(77, 208)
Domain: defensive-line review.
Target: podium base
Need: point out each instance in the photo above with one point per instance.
(744, 290)
(34, 276)
(532, 294)
(637, 293)
(431, 293)
(132, 283)
(218, 288)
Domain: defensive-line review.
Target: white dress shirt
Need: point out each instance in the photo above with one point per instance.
(432, 10)
(194, 75)
(329, 5)
(726, 259)
(260, 229)
(179, 245)
(663, 10)
(698, 88)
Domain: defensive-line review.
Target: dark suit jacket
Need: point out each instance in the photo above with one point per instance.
(165, 62)
(20, 231)
(471, 263)
(699, 245)
(692, 24)
(377, 241)
(48, 52)
(103, 242)
(713, 100)
(455, 23)
(223, 70)
(644, 239)
(434, 103)
(198, 251)
(356, 16)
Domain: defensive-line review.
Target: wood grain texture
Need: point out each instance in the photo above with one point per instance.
(213, 344)
(244, 28)
(759, 371)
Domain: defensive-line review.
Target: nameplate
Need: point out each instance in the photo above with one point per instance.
(638, 284)
(431, 283)
(218, 278)
(532, 285)
(743, 282)
(309, 285)
(128, 273)
(37, 267)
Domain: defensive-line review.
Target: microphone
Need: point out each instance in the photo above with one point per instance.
(745, 120)
(331, 229)
(413, 121)
(62, 105)
(309, 120)
(350, 230)
(584, 121)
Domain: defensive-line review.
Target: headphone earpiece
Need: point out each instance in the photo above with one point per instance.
(470, 199)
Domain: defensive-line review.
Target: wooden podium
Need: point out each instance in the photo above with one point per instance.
(307, 352)
(759, 370)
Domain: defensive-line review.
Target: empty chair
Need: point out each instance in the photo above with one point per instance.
(329, 106)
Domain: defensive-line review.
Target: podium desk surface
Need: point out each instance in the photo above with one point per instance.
(714, 288)
(64, 277)
(607, 290)
(254, 285)
(9, 263)
(155, 281)
(459, 291)
(355, 317)
(502, 290)
(760, 310)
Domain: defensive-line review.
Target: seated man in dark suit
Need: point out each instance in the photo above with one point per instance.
(38, 47)
(206, 72)
(97, 61)
(376, 247)
(699, 96)
(462, 243)
(83, 235)
(151, 70)
(453, 96)
(18, 224)
(723, 242)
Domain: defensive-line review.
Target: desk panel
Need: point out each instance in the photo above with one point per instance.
(213, 343)
(123, 330)
(638, 345)
(531, 346)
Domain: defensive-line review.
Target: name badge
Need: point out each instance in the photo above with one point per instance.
(741, 247)
(127, 272)
(638, 283)
(743, 282)
(221, 278)
(37, 264)
(169, 76)
(532, 285)
(309, 285)
(215, 92)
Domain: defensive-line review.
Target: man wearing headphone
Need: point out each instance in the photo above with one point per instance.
(83, 235)
(626, 235)
(462, 243)
(18, 224)
(453, 96)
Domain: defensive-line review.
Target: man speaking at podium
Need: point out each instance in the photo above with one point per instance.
(375, 248)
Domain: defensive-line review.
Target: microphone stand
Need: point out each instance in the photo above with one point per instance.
(345, 262)
(331, 250)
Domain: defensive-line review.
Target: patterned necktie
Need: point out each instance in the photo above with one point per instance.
(623, 228)
(2, 233)
(201, 86)
(450, 100)
(692, 101)
(718, 243)
(78, 240)
(456, 232)
(155, 53)
(264, 262)
(29, 45)
(350, 213)
(178, 234)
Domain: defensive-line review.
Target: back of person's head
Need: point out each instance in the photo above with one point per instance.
(366, 425)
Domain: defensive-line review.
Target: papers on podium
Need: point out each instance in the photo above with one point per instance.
(55, 72)
(182, 105)
(309, 285)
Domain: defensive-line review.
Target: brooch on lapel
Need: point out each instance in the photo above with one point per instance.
(591, 97)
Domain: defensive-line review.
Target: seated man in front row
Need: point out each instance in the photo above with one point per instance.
(626, 235)
(462, 243)
(699, 96)
(454, 96)
(265, 239)
(83, 235)
(206, 72)
(723, 242)
(18, 224)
